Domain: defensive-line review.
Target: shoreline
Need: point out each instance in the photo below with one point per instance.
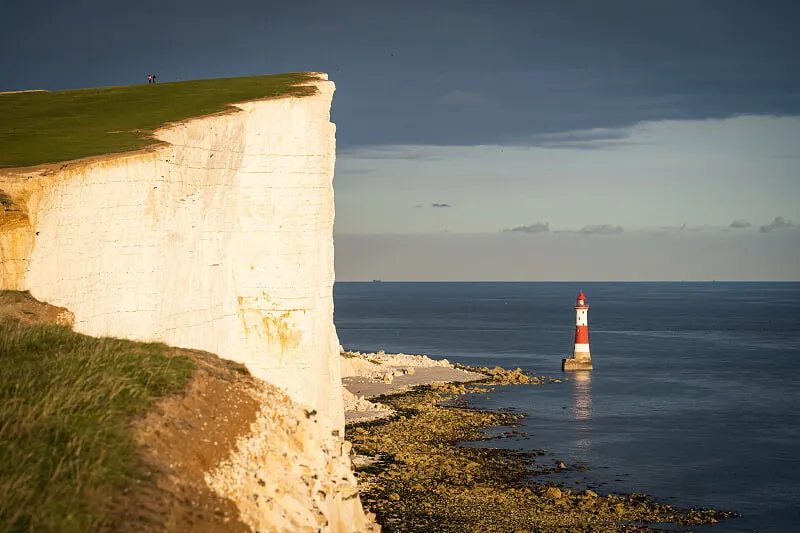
(367, 376)
(415, 477)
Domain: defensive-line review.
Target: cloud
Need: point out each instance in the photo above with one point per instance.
(591, 139)
(460, 97)
(441, 205)
(595, 76)
(391, 152)
(778, 223)
(601, 229)
(533, 67)
(739, 223)
(539, 227)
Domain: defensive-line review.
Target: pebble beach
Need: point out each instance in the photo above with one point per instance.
(407, 414)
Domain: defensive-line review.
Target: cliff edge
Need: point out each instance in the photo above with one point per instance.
(217, 238)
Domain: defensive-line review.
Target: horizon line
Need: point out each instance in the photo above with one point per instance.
(569, 281)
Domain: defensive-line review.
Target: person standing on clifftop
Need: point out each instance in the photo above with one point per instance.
(154, 78)
(149, 79)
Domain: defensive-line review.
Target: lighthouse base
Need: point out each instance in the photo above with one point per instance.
(570, 363)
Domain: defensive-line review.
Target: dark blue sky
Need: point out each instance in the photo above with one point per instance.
(535, 67)
(666, 120)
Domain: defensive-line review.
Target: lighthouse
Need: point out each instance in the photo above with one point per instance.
(581, 358)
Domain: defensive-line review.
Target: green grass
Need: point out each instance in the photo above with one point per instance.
(66, 404)
(49, 127)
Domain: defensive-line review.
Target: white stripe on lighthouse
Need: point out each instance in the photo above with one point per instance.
(580, 317)
(581, 348)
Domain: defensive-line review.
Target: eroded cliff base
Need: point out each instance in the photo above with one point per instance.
(220, 451)
(236, 455)
(179, 440)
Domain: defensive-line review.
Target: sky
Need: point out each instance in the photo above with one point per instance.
(524, 140)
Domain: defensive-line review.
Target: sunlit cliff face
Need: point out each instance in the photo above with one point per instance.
(220, 239)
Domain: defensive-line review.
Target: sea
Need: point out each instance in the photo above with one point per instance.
(694, 398)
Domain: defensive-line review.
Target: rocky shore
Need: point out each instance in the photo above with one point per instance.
(415, 477)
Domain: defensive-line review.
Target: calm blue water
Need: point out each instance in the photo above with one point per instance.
(695, 396)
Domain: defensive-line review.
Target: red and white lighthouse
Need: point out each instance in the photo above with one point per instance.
(581, 358)
(581, 329)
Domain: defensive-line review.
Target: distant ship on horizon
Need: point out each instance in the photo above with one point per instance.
(376, 281)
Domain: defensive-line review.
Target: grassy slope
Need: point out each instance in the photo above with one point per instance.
(66, 403)
(66, 400)
(48, 127)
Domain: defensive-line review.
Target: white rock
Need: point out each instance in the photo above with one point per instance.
(220, 239)
(288, 475)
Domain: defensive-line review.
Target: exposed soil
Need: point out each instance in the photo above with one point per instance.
(21, 306)
(181, 439)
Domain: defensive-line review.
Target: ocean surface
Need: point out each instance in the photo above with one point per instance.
(694, 398)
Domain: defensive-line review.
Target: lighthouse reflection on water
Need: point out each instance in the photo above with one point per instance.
(582, 395)
(580, 366)
(582, 408)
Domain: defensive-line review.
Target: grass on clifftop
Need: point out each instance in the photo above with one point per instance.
(66, 404)
(48, 127)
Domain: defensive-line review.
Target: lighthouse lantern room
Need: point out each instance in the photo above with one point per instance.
(581, 358)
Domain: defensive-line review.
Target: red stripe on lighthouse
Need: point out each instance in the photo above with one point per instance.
(581, 334)
(581, 358)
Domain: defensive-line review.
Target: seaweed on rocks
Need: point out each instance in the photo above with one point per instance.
(420, 481)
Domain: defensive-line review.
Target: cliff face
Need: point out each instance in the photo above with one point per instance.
(220, 239)
(289, 475)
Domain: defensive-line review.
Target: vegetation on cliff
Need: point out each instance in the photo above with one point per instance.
(103, 435)
(47, 127)
(66, 404)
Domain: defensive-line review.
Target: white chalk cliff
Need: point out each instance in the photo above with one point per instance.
(219, 238)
